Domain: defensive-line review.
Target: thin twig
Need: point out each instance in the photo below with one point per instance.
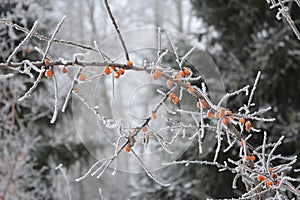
(44, 38)
(116, 28)
(23, 42)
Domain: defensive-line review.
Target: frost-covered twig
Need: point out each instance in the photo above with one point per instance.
(117, 29)
(52, 37)
(44, 38)
(6, 76)
(22, 43)
(148, 172)
(55, 100)
(60, 168)
(253, 89)
(35, 84)
(70, 90)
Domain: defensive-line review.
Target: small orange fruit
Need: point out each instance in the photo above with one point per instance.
(269, 184)
(204, 104)
(64, 70)
(47, 61)
(248, 157)
(121, 71)
(228, 112)
(175, 100)
(76, 89)
(169, 83)
(188, 84)
(107, 71)
(158, 73)
(82, 77)
(274, 176)
(277, 182)
(261, 178)
(117, 75)
(154, 115)
(186, 71)
(113, 68)
(252, 158)
(242, 120)
(127, 148)
(154, 76)
(144, 129)
(209, 114)
(243, 143)
(225, 120)
(49, 73)
(129, 63)
(217, 115)
(271, 169)
(172, 95)
(248, 126)
(191, 89)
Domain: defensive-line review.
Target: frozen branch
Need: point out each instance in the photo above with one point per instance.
(116, 28)
(22, 43)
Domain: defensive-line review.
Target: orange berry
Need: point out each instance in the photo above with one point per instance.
(225, 120)
(113, 68)
(188, 84)
(64, 70)
(186, 71)
(121, 71)
(222, 112)
(172, 95)
(154, 115)
(248, 157)
(117, 75)
(204, 104)
(47, 61)
(271, 169)
(129, 63)
(169, 83)
(49, 73)
(277, 182)
(107, 71)
(82, 77)
(209, 114)
(144, 129)
(127, 148)
(243, 143)
(269, 184)
(248, 126)
(181, 74)
(76, 89)
(231, 117)
(158, 73)
(261, 178)
(191, 89)
(252, 158)
(154, 76)
(242, 120)
(217, 115)
(228, 112)
(274, 176)
(175, 100)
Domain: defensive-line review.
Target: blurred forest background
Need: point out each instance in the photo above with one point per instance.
(242, 37)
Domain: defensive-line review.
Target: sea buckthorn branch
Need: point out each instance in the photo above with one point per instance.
(284, 11)
(45, 38)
